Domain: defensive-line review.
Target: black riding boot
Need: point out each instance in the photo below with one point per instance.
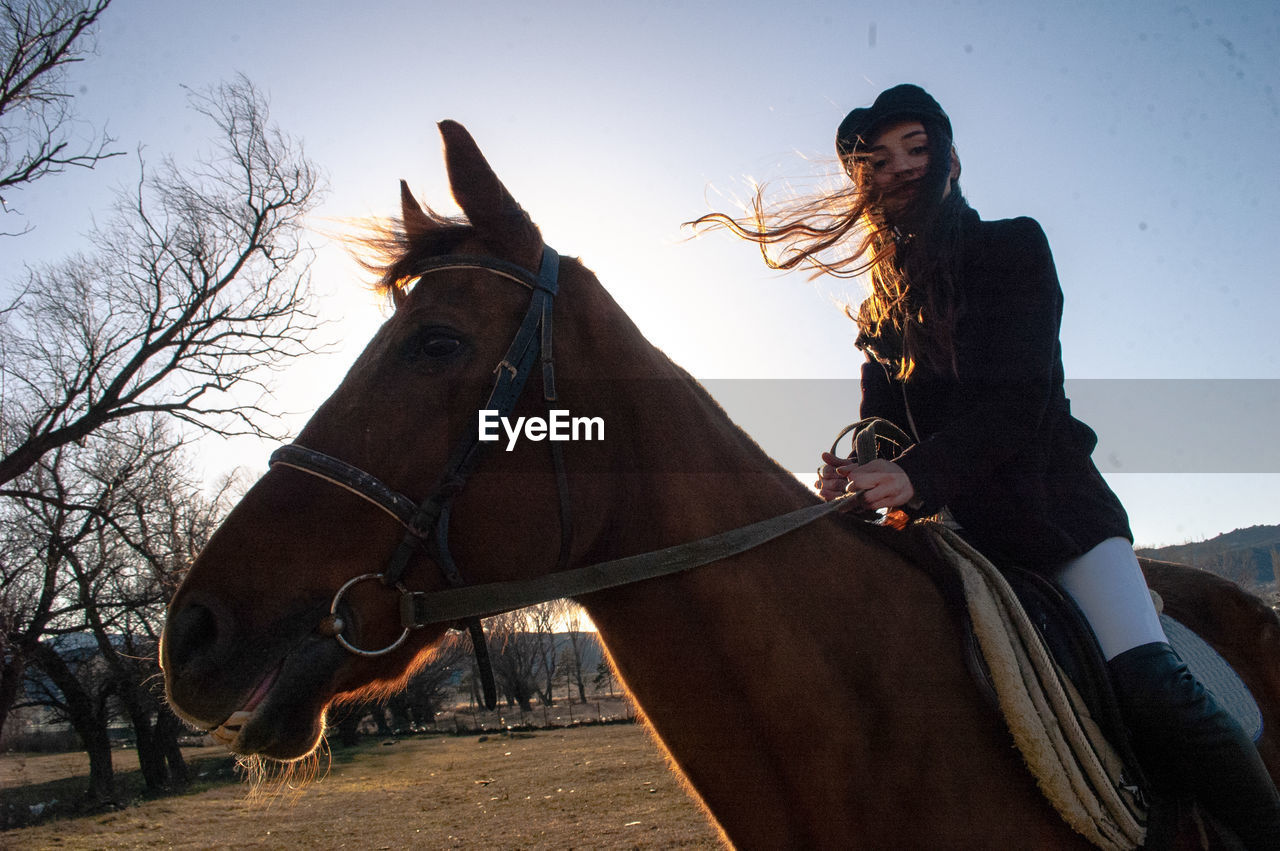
(1188, 743)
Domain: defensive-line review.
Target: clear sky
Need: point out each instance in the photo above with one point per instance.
(1142, 135)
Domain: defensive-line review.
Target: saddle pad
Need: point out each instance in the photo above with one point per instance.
(1076, 769)
(1216, 674)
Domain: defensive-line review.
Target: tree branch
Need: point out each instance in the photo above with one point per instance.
(39, 39)
(199, 284)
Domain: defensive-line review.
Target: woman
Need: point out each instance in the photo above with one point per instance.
(961, 338)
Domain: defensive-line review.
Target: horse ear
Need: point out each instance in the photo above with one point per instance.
(485, 201)
(416, 221)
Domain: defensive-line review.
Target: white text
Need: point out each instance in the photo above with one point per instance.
(558, 425)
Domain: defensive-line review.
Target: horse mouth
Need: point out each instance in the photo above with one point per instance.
(228, 731)
(282, 716)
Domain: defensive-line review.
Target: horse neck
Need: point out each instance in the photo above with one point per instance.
(722, 659)
(682, 471)
(786, 682)
(674, 467)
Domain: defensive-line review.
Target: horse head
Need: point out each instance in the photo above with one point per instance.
(249, 648)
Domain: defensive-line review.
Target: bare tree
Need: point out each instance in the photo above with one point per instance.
(514, 654)
(110, 526)
(413, 708)
(1238, 565)
(152, 520)
(78, 687)
(198, 286)
(34, 587)
(416, 707)
(604, 675)
(39, 39)
(571, 620)
(540, 621)
(42, 648)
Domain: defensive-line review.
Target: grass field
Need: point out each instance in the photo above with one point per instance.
(579, 787)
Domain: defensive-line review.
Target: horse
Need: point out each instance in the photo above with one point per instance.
(292, 605)
(1240, 627)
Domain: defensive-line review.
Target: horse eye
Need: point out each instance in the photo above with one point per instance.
(432, 344)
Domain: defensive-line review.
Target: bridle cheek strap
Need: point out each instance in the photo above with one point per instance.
(427, 523)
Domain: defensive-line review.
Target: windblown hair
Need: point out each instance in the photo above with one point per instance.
(386, 248)
(908, 320)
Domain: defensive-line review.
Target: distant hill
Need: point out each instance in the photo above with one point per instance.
(1249, 556)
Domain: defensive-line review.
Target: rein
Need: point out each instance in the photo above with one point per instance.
(426, 524)
(422, 608)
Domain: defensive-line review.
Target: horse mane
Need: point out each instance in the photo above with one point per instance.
(387, 249)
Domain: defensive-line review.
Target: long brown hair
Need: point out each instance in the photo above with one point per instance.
(908, 320)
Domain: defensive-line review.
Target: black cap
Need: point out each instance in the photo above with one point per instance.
(901, 102)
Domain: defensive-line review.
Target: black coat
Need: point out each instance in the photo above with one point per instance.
(998, 445)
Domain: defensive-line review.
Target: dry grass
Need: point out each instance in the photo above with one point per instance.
(583, 787)
(19, 769)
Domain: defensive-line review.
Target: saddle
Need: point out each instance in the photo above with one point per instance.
(1036, 661)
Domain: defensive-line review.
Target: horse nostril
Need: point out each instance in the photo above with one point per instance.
(190, 632)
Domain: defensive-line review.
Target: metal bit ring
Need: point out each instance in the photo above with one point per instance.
(341, 639)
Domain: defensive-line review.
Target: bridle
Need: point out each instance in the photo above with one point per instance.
(427, 523)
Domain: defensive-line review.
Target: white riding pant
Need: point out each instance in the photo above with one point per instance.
(1109, 588)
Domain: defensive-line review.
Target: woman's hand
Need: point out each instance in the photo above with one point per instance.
(883, 484)
(831, 483)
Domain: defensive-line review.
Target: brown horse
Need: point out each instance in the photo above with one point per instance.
(1243, 629)
(892, 746)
